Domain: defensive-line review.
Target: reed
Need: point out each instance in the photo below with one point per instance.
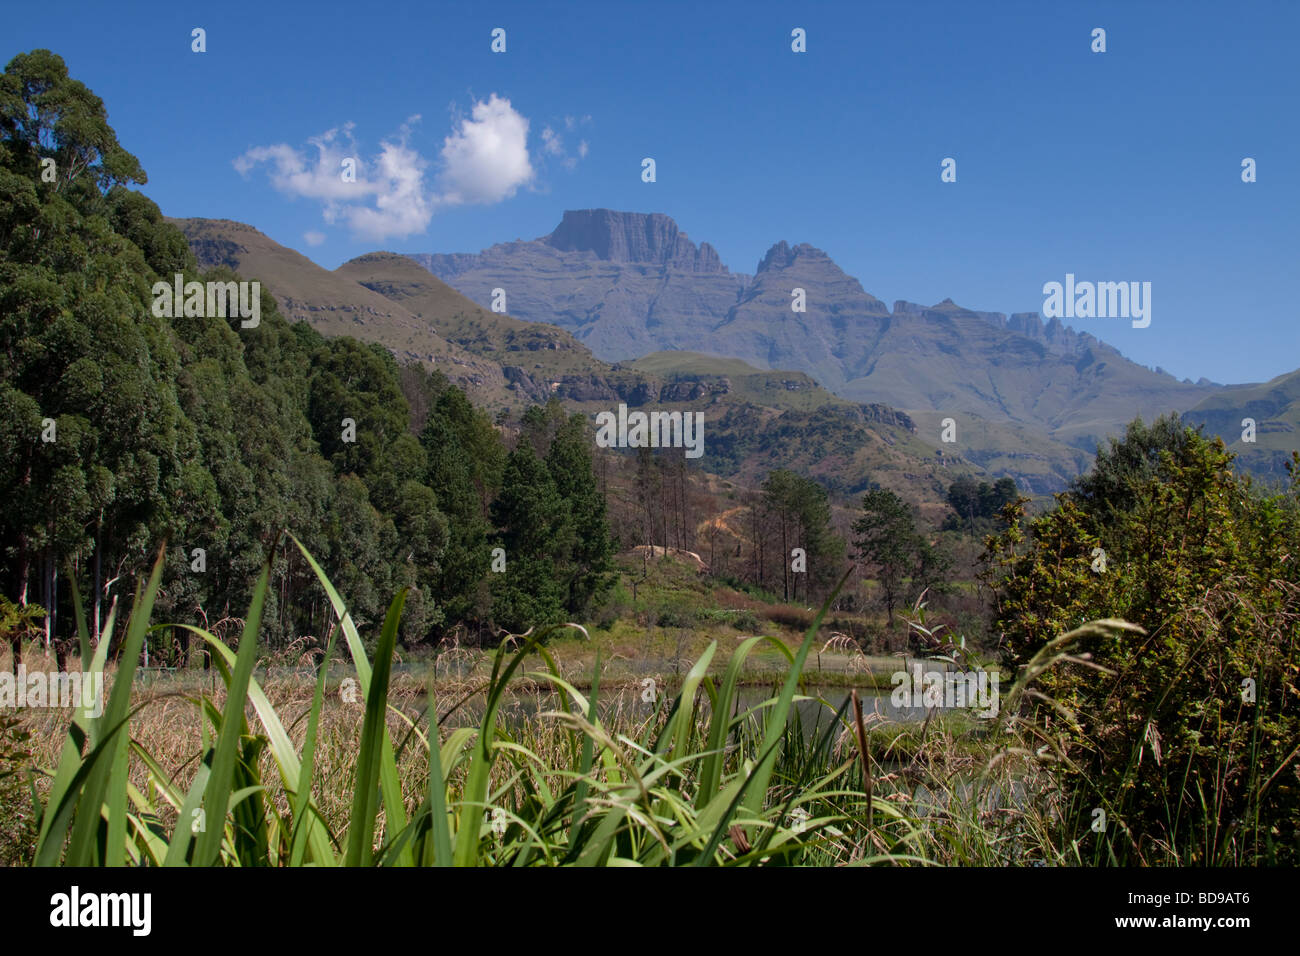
(450, 771)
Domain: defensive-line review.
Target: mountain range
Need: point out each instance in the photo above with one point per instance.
(619, 306)
(757, 419)
(1029, 398)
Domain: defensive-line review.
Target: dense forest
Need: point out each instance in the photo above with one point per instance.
(120, 429)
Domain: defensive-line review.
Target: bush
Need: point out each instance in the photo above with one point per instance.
(1166, 739)
(18, 822)
(788, 615)
(742, 619)
(674, 615)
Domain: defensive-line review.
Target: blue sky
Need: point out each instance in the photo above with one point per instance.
(1115, 166)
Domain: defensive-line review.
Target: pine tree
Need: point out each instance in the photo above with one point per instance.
(456, 585)
(800, 509)
(535, 530)
(590, 560)
(890, 545)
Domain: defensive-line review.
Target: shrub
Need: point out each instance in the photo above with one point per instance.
(789, 615)
(17, 823)
(1160, 729)
(742, 619)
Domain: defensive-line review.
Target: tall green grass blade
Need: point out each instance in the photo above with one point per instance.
(115, 808)
(79, 731)
(437, 850)
(83, 846)
(586, 759)
(684, 713)
(217, 792)
(374, 731)
(394, 805)
(474, 803)
(776, 718)
(73, 800)
(720, 724)
(79, 615)
(282, 748)
(178, 847)
(304, 816)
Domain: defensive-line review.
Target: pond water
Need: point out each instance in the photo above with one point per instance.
(632, 697)
(814, 708)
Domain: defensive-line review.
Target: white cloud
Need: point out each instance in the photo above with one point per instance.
(486, 159)
(551, 143)
(295, 173)
(384, 196)
(402, 206)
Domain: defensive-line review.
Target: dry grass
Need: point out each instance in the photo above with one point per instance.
(166, 723)
(950, 791)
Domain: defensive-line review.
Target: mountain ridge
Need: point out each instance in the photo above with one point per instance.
(629, 284)
(758, 419)
(503, 360)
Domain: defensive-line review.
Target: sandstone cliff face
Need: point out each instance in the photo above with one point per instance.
(632, 237)
(623, 283)
(884, 415)
(692, 391)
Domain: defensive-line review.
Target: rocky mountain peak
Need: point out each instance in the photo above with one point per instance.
(783, 255)
(631, 237)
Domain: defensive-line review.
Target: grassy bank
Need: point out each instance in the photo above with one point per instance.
(285, 771)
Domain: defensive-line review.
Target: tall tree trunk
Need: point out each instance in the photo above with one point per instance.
(60, 654)
(24, 569)
(665, 506)
(687, 538)
(785, 561)
(47, 586)
(99, 595)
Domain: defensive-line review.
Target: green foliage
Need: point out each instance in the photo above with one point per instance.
(18, 824)
(894, 550)
(801, 509)
(452, 475)
(1110, 490)
(976, 507)
(1164, 737)
(742, 619)
(45, 113)
(359, 383)
(537, 536)
(216, 437)
(18, 623)
(588, 569)
(551, 525)
(80, 348)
